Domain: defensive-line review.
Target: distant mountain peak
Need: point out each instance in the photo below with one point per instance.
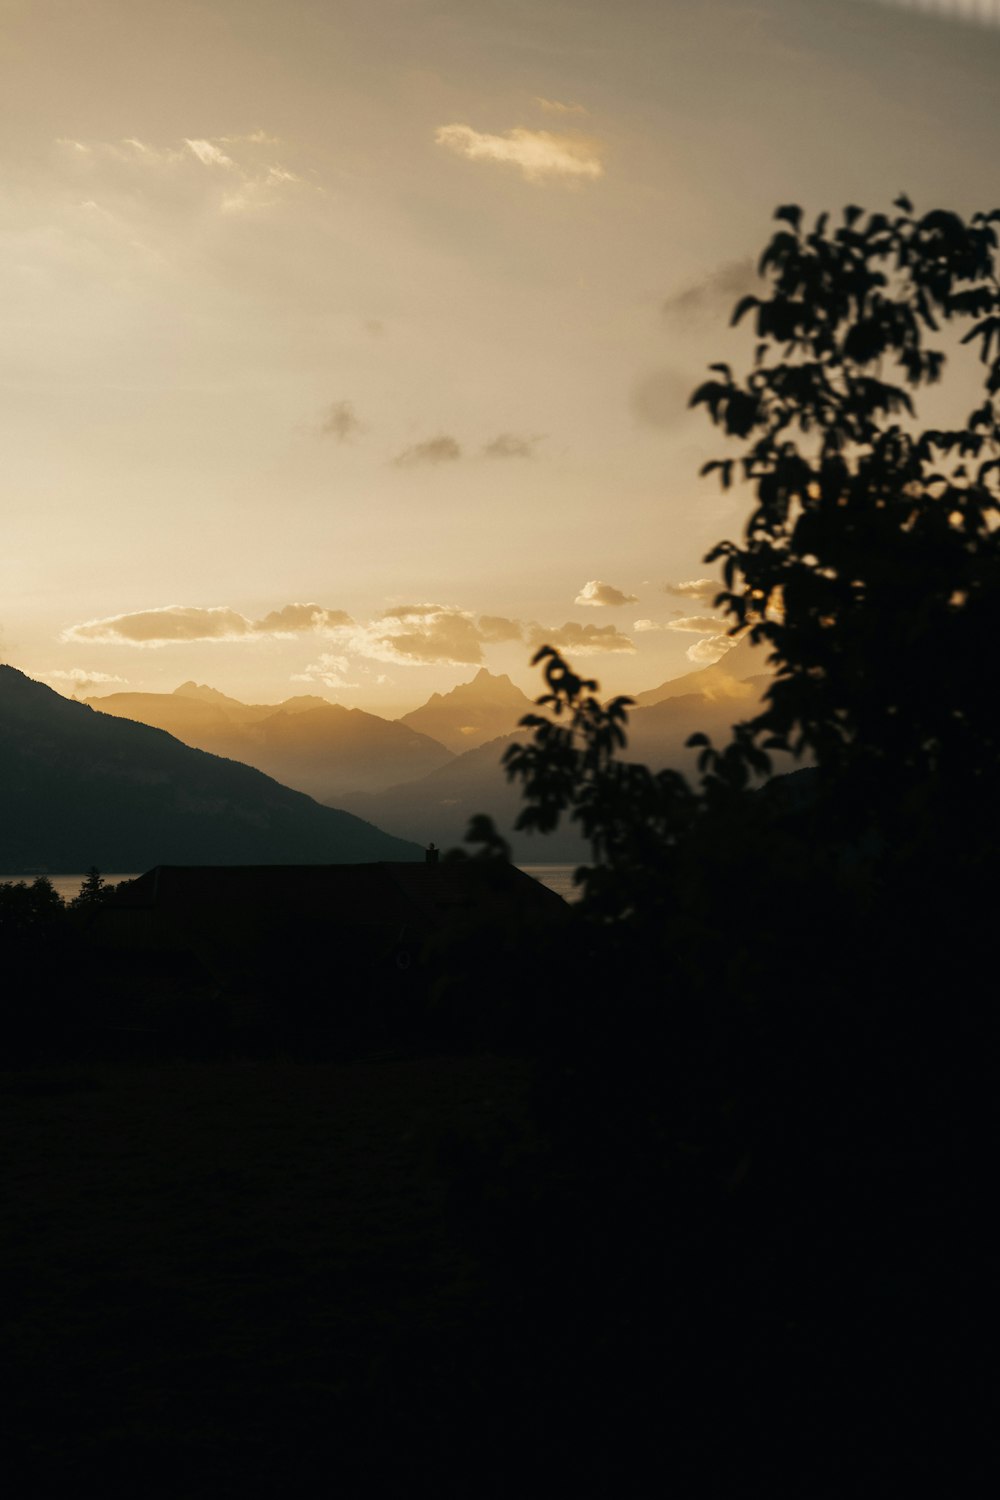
(201, 691)
(486, 706)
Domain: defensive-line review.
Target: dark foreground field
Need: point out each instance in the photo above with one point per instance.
(402, 1276)
(253, 1278)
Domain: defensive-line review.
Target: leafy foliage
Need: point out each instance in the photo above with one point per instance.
(870, 559)
(869, 563)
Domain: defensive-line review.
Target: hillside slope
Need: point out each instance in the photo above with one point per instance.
(79, 788)
(319, 748)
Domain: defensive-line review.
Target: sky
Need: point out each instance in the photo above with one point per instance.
(347, 345)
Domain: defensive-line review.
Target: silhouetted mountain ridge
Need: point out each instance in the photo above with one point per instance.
(79, 787)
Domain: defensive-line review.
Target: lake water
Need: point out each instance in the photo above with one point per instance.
(558, 878)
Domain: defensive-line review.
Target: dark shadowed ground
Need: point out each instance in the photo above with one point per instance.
(246, 1278)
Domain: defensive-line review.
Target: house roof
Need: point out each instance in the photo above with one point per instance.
(430, 896)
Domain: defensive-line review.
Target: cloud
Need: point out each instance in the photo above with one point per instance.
(437, 450)
(510, 445)
(209, 154)
(583, 640)
(710, 650)
(137, 173)
(697, 624)
(598, 594)
(979, 12)
(181, 622)
(340, 421)
(538, 153)
(660, 397)
(428, 634)
(700, 590)
(82, 680)
(497, 628)
(556, 107)
(715, 640)
(713, 294)
(329, 670)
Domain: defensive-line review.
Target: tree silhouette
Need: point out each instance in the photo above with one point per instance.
(92, 890)
(869, 562)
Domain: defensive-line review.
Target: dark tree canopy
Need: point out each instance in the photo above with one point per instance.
(870, 560)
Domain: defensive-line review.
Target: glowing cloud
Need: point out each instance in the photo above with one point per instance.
(80, 680)
(538, 153)
(697, 590)
(556, 107)
(428, 634)
(697, 624)
(328, 669)
(582, 640)
(236, 181)
(181, 622)
(712, 649)
(600, 594)
(209, 154)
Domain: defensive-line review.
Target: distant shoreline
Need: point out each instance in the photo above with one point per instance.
(557, 877)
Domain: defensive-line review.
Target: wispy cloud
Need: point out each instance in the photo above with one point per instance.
(80, 680)
(328, 670)
(234, 180)
(979, 12)
(209, 154)
(539, 154)
(340, 421)
(511, 445)
(581, 640)
(185, 623)
(442, 449)
(557, 107)
(712, 294)
(599, 594)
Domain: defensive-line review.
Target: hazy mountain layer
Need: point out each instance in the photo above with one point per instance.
(473, 713)
(79, 788)
(725, 678)
(439, 806)
(320, 748)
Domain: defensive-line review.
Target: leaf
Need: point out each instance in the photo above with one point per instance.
(743, 306)
(904, 203)
(791, 213)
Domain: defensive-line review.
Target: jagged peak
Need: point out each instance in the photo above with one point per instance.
(201, 690)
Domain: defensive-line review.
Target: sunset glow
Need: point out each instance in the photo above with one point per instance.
(353, 347)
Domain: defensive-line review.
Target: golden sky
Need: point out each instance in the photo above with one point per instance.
(346, 345)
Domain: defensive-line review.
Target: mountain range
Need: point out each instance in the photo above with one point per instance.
(438, 806)
(425, 775)
(473, 713)
(319, 748)
(81, 788)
